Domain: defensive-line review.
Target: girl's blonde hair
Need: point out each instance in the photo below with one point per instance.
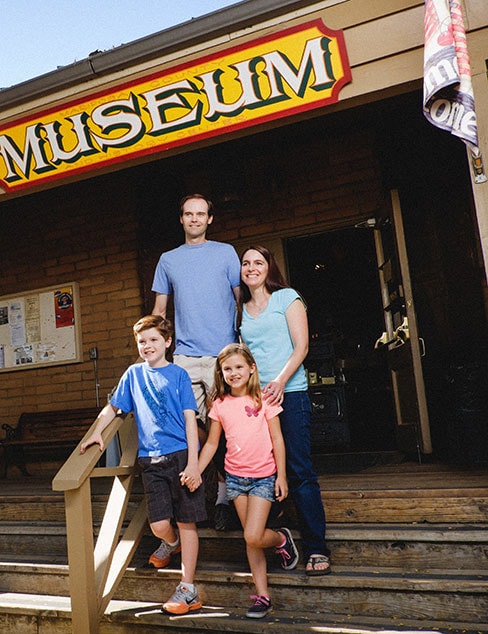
(220, 387)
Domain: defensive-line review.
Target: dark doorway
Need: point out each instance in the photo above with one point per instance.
(336, 272)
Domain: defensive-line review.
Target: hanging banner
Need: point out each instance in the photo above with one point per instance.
(448, 92)
(259, 81)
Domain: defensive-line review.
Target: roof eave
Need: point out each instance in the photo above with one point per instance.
(240, 16)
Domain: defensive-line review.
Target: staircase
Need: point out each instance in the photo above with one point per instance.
(409, 552)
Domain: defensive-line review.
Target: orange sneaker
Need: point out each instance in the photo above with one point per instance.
(182, 601)
(161, 557)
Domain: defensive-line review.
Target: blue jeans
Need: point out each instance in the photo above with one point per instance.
(302, 480)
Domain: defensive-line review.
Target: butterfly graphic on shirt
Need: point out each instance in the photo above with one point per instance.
(251, 411)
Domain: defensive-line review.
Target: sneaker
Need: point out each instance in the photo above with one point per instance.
(161, 557)
(288, 551)
(261, 607)
(182, 601)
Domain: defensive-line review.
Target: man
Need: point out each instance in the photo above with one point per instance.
(203, 276)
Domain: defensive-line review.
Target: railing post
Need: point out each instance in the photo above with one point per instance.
(94, 573)
(79, 525)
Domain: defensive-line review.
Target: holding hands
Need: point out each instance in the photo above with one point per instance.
(191, 478)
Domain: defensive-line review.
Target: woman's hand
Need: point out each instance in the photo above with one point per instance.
(274, 392)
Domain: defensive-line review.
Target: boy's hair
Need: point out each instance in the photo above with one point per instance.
(220, 387)
(200, 197)
(162, 325)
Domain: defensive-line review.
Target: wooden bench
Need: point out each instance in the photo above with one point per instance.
(44, 434)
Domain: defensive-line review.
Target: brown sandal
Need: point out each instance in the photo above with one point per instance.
(313, 560)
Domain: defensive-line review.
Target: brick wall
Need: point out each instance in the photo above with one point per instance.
(87, 233)
(97, 233)
(300, 188)
(107, 233)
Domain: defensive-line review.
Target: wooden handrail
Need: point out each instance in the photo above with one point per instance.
(79, 466)
(95, 570)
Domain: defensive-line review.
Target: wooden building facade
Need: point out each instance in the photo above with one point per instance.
(372, 211)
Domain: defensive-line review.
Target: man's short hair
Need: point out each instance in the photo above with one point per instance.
(200, 197)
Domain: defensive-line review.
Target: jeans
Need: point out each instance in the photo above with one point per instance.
(302, 480)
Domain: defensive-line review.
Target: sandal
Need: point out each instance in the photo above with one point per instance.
(313, 560)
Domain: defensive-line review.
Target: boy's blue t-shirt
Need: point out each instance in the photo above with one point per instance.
(158, 397)
(201, 278)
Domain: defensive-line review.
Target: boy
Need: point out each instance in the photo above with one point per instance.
(161, 397)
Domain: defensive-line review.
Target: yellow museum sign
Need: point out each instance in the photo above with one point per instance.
(277, 76)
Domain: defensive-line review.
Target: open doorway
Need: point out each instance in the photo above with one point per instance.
(336, 272)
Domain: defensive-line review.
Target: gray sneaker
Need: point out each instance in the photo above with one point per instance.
(161, 557)
(182, 601)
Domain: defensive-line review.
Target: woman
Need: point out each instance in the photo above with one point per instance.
(272, 321)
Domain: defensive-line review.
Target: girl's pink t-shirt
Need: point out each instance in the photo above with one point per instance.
(249, 448)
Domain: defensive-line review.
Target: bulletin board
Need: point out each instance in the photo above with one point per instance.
(40, 328)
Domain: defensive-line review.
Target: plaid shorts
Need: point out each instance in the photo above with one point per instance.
(165, 497)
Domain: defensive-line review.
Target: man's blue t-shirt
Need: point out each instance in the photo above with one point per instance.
(202, 278)
(157, 396)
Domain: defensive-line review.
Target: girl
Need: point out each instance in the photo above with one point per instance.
(254, 462)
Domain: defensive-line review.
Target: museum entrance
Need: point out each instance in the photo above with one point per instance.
(305, 211)
(349, 381)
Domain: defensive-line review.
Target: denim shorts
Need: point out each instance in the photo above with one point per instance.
(260, 487)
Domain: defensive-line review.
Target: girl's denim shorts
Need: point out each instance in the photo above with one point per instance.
(260, 487)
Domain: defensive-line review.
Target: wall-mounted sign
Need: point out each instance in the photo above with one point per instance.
(285, 73)
(40, 328)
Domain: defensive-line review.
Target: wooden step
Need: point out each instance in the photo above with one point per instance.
(429, 570)
(367, 594)
(407, 492)
(400, 546)
(410, 546)
(388, 493)
(374, 592)
(50, 507)
(436, 506)
(43, 613)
